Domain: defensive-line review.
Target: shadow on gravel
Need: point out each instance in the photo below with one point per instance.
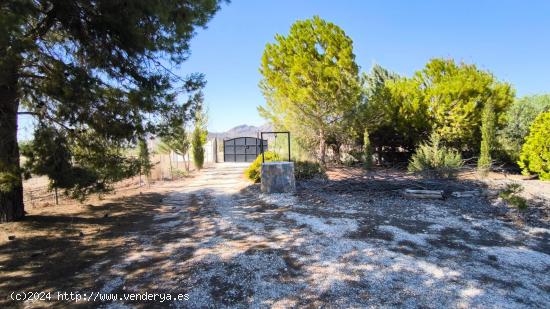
(58, 261)
(374, 182)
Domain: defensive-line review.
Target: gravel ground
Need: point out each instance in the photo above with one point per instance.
(332, 244)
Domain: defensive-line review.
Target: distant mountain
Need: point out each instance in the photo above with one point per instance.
(241, 131)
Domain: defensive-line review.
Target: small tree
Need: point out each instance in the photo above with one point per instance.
(144, 160)
(48, 154)
(163, 148)
(535, 153)
(487, 138)
(198, 139)
(71, 166)
(177, 140)
(367, 148)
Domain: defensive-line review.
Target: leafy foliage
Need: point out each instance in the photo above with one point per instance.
(535, 153)
(198, 139)
(487, 138)
(434, 159)
(311, 82)
(308, 170)
(253, 172)
(178, 141)
(519, 118)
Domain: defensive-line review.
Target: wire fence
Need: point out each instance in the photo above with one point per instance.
(166, 167)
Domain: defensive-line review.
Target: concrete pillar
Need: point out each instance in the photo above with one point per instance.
(278, 177)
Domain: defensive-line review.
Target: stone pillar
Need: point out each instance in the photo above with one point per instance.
(278, 177)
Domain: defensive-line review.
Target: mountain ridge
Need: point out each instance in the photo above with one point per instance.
(243, 130)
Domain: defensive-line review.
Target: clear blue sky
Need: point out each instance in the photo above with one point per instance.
(509, 38)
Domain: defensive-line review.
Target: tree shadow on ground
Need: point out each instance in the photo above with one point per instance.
(245, 253)
(68, 245)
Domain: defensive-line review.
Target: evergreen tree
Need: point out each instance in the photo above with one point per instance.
(519, 118)
(311, 82)
(446, 98)
(94, 70)
(145, 164)
(456, 95)
(487, 138)
(198, 139)
(367, 148)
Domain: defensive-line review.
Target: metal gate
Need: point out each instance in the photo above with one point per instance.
(242, 149)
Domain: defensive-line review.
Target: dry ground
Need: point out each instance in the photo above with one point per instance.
(351, 241)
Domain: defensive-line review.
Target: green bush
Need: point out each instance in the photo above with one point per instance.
(432, 159)
(179, 173)
(535, 153)
(510, 195)
(253, 171)
(519, 118)
(308, 170)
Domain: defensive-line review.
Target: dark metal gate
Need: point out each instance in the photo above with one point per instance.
(242, 149)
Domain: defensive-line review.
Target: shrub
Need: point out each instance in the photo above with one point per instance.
(432, 159)
(254, 170)
(510, 195)
(308, 170)
(535, 153)
(179, 173)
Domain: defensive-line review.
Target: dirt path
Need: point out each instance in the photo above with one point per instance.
(226, 247)
(333, 244)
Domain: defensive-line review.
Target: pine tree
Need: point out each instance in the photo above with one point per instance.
(96, 71)
(311, 81)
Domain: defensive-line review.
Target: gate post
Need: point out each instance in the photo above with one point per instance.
(277, 177)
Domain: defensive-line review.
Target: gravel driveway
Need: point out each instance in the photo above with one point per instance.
(227, 245)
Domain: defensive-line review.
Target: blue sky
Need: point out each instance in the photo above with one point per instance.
(509, 38)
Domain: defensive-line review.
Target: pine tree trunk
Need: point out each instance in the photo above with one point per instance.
(11, 185)
(322, 148)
